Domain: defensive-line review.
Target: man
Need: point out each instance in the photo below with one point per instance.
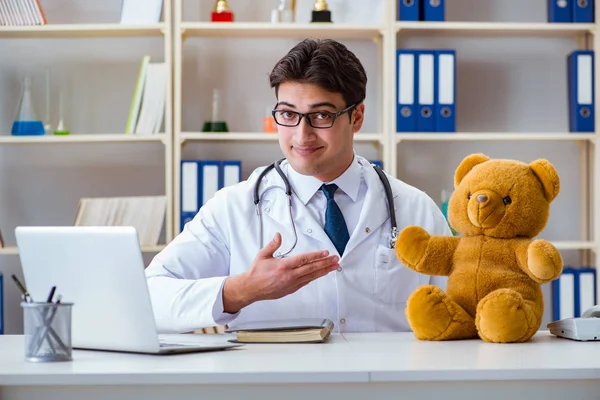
(328, 256)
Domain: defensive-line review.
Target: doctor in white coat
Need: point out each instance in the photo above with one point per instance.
(329, 255)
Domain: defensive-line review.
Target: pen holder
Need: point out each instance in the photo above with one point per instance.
(47, 329)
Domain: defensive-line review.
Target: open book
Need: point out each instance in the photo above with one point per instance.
(283, 331)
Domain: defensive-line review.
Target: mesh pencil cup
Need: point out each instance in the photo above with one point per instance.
(47, 330)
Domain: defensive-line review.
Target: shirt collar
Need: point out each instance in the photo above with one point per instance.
(305, 186)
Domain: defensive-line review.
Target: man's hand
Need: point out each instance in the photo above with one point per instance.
(271, 278)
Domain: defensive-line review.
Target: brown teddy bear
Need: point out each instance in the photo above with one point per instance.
(495, 268)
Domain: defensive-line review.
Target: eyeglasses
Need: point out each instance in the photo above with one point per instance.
(316, 119)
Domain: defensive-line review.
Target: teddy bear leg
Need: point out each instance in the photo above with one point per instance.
(503, 316)
(433, 315)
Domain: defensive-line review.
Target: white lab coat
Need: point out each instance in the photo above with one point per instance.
(369, 293)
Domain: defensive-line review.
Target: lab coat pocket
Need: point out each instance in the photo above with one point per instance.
(394, 282)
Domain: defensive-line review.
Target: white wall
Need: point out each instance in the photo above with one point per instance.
(505, 85)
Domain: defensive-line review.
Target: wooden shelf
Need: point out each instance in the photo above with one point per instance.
(153, 249)
(260, 137)
(283, 30)
(145, 249)
(499, 29)
(574, 245)
(82, 138)
(81, 30)
(493, 136)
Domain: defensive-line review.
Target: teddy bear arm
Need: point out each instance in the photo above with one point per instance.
(540, 260)
(439, 256)
(426, 254)
(521, 255)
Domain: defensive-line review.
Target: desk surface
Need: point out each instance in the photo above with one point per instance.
(370, 357)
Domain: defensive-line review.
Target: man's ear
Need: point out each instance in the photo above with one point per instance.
(467, 165)
(357, 117)
(547, 175)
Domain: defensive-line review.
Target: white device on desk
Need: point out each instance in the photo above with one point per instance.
(584, 328)
(101, 271)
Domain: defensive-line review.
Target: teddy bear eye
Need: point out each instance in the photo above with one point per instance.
(469, 196)
(507, 200)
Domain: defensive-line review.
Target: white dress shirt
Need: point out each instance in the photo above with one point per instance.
(349, 197)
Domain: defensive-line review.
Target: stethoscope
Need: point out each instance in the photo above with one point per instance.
(288, 192)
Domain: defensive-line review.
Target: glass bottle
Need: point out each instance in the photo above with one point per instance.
(61, 128)
(47, 123)
(26, 121)
(216, 123)
(283, 13)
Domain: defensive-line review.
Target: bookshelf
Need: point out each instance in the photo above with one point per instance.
(496, 136)
(114, 32)
(85, 138)
(283, 30)
(496, 29)
(260, 137)
(53, 31)
(387, 35)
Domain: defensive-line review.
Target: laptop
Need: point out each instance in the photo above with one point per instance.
(101, 270)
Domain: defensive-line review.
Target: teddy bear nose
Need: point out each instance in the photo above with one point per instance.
(482, 198)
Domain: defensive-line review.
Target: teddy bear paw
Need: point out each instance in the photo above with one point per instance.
(544, 261)
(411, 245)
(504, 316)
(433, 315)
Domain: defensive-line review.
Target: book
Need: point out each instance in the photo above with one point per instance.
(136, 101)
(152, 110)
(21, 13)
(303, 330)
(141, 11)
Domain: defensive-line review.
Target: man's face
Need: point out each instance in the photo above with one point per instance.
(324, 153)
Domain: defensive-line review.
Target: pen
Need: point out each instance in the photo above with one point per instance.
(51, 294)
(47, 332)
(26, 296)
(49, 300)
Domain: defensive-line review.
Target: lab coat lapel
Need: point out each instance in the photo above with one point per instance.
(308, 226)
(274, 203)
(375, 210)
(276, 207)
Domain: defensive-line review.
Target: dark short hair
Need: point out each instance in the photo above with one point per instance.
(325, 63)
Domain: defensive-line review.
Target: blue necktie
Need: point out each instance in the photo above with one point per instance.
(335, 225)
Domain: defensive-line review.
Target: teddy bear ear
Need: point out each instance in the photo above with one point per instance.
(467, 164)
(547, 175)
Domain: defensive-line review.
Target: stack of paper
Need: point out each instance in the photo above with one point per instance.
(145, 213)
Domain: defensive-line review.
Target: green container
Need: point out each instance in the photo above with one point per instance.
(217, 126)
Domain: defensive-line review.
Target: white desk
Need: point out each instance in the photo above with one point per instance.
(352, 366)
